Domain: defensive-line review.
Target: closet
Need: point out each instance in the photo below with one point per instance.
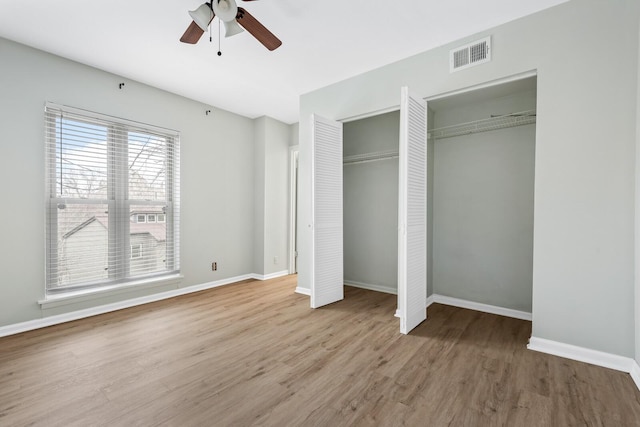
(327, 262)
(370, 182)
(451, 218)
(482, 195)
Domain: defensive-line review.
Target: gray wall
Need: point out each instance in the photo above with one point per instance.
(483, 207)
(637, 223)
(259, 171)
(371, 204)
(294, 134)
(583, 259)
(483, 217)
(217, 177)
(276, 203)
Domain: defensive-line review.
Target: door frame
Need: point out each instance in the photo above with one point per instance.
(294, 153)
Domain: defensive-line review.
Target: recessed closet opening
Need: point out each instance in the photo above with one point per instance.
(370, 192)
(481, 197)
(450, 221)
(480, 184)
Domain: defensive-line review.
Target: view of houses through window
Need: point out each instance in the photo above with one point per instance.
(112, 189)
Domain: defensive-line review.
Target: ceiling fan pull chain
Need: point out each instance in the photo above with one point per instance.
(210, 4)
(219, 51)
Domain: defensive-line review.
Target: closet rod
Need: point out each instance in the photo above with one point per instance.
(370, 157)
(484, 125)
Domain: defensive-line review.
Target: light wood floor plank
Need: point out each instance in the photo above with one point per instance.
(254, 353)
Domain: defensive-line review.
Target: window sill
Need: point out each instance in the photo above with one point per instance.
(52, 301)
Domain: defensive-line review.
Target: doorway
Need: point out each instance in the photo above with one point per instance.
(465, 258)
(327, 277)
(482, 201)
(370, 182)
(294, 152)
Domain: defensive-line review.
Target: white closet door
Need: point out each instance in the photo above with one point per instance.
(412, 212)
(327, 284)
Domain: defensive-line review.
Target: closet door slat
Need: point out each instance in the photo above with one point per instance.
(412, 212)
(327, 226)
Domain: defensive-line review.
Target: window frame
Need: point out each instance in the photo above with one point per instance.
(139, 251)
(117, 200)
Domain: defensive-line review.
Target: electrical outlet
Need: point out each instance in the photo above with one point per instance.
(275, 259)
(214, 266)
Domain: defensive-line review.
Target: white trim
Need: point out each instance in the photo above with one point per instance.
(581, 354)
(486, 308)
(635, 373)
(430, 300)
(378, 112)
(57, 300)
(370, 287)
(29, 325)
(513, 78)
(270, 275)
(303, 291)
(294, 155)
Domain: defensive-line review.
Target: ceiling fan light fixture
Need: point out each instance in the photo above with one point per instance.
(226, 10)
(232, 28)
(202, 16)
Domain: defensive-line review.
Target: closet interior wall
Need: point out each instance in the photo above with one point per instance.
(483, 187)
(370, 207)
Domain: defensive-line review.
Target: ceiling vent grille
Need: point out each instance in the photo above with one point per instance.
(475, 53)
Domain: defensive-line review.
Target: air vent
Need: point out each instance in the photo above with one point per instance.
(466, 56)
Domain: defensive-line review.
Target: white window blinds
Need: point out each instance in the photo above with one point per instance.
(102, 175)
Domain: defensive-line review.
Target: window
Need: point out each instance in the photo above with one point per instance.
(161, 218)
(151, 218)
(136, 251)
(101, 172)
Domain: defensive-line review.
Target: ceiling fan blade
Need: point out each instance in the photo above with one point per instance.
(257, 30)
(193, 34)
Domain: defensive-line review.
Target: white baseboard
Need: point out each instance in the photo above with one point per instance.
(486, 308)
(441, 299)
(303, 291)
(370, 287)
(29, 325)
(430, 300)
(635, 373)
(581, 354)
(270, 276)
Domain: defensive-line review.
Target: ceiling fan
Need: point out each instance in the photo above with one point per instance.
(234, 18)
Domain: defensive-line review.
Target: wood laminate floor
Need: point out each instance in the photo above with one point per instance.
(255, 354)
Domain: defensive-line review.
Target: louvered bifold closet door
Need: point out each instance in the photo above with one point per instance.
(412, 212)
(327, 231)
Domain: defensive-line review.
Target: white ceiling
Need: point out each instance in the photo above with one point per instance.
(323, 42)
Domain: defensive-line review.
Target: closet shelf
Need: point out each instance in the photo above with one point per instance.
(370, 157)
(484, 125)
